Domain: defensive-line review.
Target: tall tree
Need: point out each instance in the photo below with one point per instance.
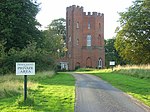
(53, 43)
(18, 24)
(55, 36)
(133, 36)
(59, 26)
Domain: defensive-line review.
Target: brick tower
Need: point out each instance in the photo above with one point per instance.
(85, 38)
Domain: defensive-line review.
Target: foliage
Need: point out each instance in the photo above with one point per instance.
(133, 36)
(21, 41)
(55, 38)
(111, 54)
(18, 23)
(29, 54)
(59, 26)
(53, 43)
(46, 92)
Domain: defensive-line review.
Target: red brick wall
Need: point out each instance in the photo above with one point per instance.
(78, 52)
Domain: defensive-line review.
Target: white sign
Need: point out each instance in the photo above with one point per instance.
(112, 63)
(25, 68)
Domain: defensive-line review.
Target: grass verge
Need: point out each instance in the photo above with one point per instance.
(138, 88)
(46, 93)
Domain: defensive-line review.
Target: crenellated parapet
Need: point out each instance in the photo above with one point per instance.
(80, 8)
(74, 7)
(93, 14)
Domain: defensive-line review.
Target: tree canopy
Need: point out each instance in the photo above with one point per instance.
(55, 37)
(133, 35)
(18, 24)
(58, 26)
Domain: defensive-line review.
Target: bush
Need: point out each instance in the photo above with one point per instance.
(29, 54)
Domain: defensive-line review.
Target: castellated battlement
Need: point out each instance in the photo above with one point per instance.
(93, 14)
(74, 7)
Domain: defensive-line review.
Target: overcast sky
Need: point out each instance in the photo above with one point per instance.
(54, 9)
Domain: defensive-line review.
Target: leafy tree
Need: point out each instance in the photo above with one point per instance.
(53, 43)
(111, 54)
(55, 37)
(59, 26)
(18, 24)
(133, 35)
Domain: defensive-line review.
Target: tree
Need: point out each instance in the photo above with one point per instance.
(133, 35)
(18, 25)
(53, 43)
(111, 54)
(59, 26)
(55, 37)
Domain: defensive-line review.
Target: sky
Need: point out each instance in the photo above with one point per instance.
(55, 9)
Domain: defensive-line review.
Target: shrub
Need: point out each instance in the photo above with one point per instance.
(29, 54)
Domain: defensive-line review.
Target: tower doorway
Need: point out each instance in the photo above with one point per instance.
(88, 62)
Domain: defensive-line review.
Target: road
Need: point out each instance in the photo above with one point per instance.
(96, 95)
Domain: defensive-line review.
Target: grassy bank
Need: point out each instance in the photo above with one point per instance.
(46, 93)
(132, 85)
(140, 71)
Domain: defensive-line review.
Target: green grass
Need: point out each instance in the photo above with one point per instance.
(46, 93)
(138, 88)
(139, 71)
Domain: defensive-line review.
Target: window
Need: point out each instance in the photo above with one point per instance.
(77, 24)
(69, 55)
(69, 23)
(100, 63)
(69, 39)
(99, 25)
(77, 41)
(89, 25)
(89, 38)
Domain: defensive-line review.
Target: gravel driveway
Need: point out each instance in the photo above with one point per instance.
(96, 95)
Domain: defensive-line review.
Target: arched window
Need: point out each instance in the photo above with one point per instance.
(69, 39)
(77, 24)
(100, 26)
(100, 63)
(77, 41)
(89, 25)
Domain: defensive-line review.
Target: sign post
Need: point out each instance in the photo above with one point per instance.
(25, 87)
(112, 63)
(25, 68)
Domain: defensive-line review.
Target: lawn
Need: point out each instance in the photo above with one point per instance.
(138, 88)
(46, 93)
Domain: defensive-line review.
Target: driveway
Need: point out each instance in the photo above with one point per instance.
(96, 95)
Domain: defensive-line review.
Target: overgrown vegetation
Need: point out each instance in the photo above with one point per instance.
(140, 71)
(29, 54)
(47, 92)
(22, 41)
